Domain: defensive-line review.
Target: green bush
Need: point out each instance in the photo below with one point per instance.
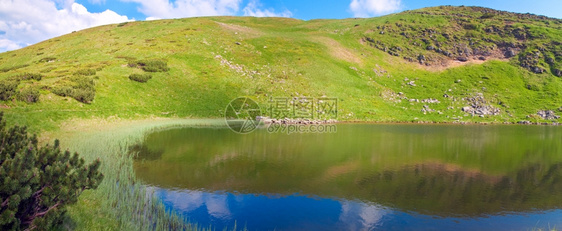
(8, 89)
(141, 78)
(84, 90)
(63, 90)
(27, 76)
(86, 72)
(533, 87)
(487, 15)
(471, 26)
(39, 182)
(83, 82)
(6, 69)
(47, 59)
(81, 88)
(29, 95)
(83, 95)
(151, 65)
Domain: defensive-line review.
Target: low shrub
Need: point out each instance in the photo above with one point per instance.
(81, 88)
(62, 90)
(6, 69)
(141, 78)
(151, 65)
(83, 82)
(487, 15)
(83, 95)
(27, 76)
(47, 59)
(471, 26)
(84, 89)
(8, 89)
(85, 72)
(29, 95)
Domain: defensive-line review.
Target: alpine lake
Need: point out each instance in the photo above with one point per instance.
(361, 177)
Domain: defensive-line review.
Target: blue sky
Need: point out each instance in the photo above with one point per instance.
(313, 9)
(25, 22)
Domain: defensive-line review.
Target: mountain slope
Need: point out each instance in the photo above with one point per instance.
(434, 64)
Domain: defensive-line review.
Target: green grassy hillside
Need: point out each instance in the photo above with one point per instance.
(422, 65)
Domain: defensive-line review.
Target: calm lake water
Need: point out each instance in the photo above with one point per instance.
(363, 177)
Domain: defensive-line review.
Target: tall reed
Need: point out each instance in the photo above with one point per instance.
(133, 205)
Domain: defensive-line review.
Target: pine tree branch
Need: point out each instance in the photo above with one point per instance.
(5, 203)
(29, 220)
(46, 211)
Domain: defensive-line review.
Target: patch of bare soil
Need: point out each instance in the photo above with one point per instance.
(241, 29)
(337, 50)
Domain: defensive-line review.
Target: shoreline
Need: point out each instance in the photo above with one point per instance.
(73, 126)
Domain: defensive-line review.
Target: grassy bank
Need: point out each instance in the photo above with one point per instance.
(120, 202)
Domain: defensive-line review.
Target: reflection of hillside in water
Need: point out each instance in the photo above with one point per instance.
(436, 170)
(436, 189)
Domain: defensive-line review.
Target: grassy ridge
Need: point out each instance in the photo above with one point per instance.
(215, 59)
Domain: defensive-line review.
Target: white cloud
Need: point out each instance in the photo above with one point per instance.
(252, 9)
(7, 45)
(368, 8)
(30, 21)
(99, 2)
(159, 9)
(152, 18)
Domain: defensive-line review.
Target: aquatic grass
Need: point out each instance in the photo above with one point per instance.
(132, 205)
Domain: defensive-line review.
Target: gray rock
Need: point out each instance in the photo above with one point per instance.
(478, 106)
(462, 59)
(509, 53)
(548, 115)
(430, 101)
(538, 70)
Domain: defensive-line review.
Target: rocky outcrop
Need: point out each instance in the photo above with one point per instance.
(509, 53)
(430, 101)
(548, 115)
(479, 106)
(465, 39)
(267, 120)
